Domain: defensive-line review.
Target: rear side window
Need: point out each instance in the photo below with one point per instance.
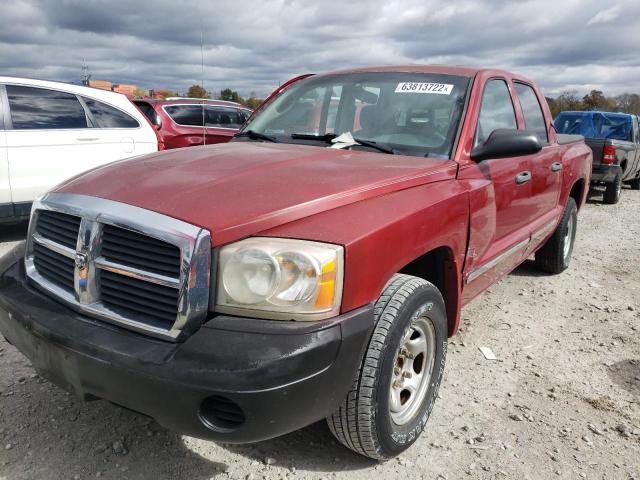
(533, 116)
(106, 116)
(190, 115)
(39, 108)
(496, 110)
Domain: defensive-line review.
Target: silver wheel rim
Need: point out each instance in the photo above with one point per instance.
(412, 370)
(567, 237)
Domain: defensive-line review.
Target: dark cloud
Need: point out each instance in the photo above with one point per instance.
(252, 46)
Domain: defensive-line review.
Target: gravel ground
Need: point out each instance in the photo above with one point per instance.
(561, 401)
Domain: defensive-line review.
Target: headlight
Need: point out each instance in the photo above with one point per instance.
(280, 278)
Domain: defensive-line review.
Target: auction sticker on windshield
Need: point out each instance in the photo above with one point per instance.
(422, 87)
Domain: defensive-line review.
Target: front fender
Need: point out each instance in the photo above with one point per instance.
(381, 235)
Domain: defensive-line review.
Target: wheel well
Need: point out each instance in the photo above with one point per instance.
(577, 191)
(623, 165)
(438, 267)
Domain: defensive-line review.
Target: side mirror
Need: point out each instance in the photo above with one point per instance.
(506, 142)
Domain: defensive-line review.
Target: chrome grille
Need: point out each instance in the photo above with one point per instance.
(154, 303)
(140, 251)
(54, 267)
(125, 264)
(59, 227)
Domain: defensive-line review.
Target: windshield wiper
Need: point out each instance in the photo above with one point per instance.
(327, 137)
(256, 136)
(381, 147)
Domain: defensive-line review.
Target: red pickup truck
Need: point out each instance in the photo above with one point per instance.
(312, 268)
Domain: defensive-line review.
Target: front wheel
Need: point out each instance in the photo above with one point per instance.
(397, 383)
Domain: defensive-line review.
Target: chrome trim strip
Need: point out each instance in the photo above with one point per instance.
(136, 273)
(56, 247)
(496, 260)
(543, 231)
(85, 278)
(195, 252)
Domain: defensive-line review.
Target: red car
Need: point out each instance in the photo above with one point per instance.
(312, 268)
(185, 122)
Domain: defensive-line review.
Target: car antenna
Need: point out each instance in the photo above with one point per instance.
(204, 127)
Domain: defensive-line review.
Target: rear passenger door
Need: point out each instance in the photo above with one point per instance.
(114, 131)
(546, 166)
(499, 221)
(48, 140)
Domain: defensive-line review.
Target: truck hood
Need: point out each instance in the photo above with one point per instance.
(239, 189)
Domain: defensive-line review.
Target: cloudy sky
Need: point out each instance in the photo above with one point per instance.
(251, 46)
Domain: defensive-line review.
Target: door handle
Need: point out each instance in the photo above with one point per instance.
(87, 139)
(556, 167)
(523, 177)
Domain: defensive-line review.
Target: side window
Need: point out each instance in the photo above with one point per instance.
(244, 115)
(107, 116)
(189, 115)
(533, 116)
(496, 110)
(223, 117)
(40, 108)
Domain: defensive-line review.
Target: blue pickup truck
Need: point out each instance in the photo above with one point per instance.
(614, 139)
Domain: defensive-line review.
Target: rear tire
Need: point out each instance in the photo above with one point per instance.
(397, 383)
(555, 254)
(613, 191)
(635, 184)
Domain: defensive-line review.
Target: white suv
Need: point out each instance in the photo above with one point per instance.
(51, 131)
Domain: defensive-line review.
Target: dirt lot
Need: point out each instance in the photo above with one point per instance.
(561, 401)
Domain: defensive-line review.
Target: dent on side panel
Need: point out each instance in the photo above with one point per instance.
(482, 222)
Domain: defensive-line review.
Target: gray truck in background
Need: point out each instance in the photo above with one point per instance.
(614, 139)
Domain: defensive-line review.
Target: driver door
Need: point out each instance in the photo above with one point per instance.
(499, 230)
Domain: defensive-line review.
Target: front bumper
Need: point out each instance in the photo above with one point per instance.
(604, 173)
(282, 375)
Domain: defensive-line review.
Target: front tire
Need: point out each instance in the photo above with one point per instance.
(555, 254)
(613, 191)
(397, 383)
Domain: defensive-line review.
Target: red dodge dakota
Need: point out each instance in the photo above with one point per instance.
(312, 268)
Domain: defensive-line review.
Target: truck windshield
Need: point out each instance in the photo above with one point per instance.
(404, 113)
(602, 125)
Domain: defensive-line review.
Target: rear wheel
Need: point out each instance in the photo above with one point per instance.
(397, 383)
(555, 254)
(635, 184)
(613, 191)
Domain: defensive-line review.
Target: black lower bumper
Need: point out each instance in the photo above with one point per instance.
(604, 173)
(235, 380)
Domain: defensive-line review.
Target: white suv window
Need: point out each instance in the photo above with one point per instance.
(40, 108)
(106, 116)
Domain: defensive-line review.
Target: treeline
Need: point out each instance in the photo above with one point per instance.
(595, 100)
(196, 91)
